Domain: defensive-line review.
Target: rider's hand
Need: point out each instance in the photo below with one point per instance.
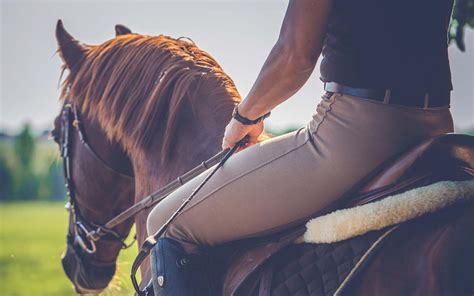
(236, 131)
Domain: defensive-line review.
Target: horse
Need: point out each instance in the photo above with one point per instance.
(184, 92)
(139, 111)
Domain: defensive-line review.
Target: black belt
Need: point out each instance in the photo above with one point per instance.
(420, 99)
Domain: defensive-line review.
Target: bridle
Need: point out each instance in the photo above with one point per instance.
(83, 233)
(80, 232)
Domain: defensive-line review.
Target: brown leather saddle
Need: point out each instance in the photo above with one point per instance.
(276, 266)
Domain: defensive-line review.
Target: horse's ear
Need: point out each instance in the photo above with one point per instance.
(71, 50)
(122, 30)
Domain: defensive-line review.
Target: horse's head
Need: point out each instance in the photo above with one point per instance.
(152, 105)
(100, 182)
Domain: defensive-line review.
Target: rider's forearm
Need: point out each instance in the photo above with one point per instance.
(282, 75)
(292, 59)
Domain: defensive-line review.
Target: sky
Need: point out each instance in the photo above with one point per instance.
(239, 34)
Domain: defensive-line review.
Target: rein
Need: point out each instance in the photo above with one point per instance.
(85, 233)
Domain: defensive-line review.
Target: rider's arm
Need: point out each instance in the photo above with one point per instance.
(292, 59)
(286, 69)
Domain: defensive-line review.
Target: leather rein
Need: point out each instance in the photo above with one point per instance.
(86, 233)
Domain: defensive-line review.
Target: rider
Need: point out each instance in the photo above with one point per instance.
(387, 80)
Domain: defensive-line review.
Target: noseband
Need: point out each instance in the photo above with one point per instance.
(81, 233)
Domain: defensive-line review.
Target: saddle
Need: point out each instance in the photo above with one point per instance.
(275, 265)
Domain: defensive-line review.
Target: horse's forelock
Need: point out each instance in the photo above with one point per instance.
(136, 86)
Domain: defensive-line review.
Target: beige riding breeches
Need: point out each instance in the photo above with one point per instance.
(283, 181)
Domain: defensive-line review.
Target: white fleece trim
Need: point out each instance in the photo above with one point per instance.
(348, 223)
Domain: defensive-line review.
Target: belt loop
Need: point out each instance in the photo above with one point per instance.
(427, 101)
(386, 98)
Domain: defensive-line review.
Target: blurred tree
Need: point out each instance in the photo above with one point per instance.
(5, 179)
(25, 146)
(26, 183)
(56, 182)
(463, 14)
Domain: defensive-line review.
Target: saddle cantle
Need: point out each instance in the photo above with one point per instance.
(250, 272)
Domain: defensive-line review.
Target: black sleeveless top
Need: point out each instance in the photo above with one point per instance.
(396, 44)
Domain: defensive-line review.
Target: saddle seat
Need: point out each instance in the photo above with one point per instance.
(448, 157)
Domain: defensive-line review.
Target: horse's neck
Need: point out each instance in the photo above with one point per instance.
(194, 143)
(150, 174)
(190, 151)
(198, 137)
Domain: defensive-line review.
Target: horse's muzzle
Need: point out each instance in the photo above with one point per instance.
(86, 276)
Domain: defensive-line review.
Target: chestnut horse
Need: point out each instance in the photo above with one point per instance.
(152, 107)
(148, 109)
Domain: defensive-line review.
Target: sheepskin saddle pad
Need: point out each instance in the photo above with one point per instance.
(347, 223)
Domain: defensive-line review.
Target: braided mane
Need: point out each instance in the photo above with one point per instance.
(136, 85)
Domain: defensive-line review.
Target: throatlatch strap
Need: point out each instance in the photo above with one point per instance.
(150, 242)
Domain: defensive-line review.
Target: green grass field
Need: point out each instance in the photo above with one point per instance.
(32, 239)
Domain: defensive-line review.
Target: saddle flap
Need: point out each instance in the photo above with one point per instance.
(247, 260)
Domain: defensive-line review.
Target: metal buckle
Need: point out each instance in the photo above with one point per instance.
(80, 242)
(80, 230)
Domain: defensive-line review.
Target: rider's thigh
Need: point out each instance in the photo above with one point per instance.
(247, 174)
